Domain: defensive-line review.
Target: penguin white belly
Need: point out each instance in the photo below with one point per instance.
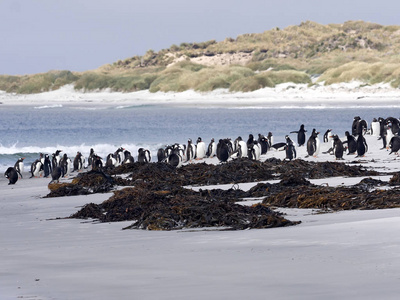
(257, 151)
(389, 137)
(243, 147)
(375, 127)
(200, 150)
(21, 167)
(36, 169)
(69, 165)
(213, 149)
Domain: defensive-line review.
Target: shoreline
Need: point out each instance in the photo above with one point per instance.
(289, 95)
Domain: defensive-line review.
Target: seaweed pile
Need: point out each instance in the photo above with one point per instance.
(179, 208)
(156, 199)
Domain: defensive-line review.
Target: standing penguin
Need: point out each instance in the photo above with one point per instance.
(301, 135)
(90, 158)
(362, 146)
(375, 127)
(128, 158)
(119, 156)
(12, 175)
(56, 158)
(56, 174)
(200, 149)
(262, 140)
(190, 151)
(290, 149)
(394, 144)
(313, 144)
(19, 166)
(351, 143)
(65, 165)
(270, 139)
(327, 135)
(36, 168)
(254, 151)
(47, 166)
(144, 155)
(212, 149)
(78, 162)
(241, 147)
(338, 148)
(223, 152)
(354, 125)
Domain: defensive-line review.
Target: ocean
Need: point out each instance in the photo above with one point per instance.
(26, 131)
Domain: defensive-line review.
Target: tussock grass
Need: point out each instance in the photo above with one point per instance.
(370, 73)
(269, 79)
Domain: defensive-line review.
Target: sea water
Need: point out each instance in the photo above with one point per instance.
(26, 131)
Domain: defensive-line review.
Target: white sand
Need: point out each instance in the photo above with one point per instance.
(343, 255)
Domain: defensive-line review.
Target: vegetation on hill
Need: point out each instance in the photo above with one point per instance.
(354, 50)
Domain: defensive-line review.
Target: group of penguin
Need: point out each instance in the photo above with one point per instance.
(387, 130)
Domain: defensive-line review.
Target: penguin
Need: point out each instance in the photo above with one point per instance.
(290, 149)
(90, 158)
(119, 156)
(313, 144)
(327, 135)
(111, 162)
(12, 175)
(47, 166)
(190, 151)
(301, 135)
(241, 147)
(144, 155)
(351, 143)
(362, 126)
(200, 149)
(97, 163)
(223, 152)
(36, 168)
(56, 174)
(375, 127)
(250, 140)
(212, 149)
(254, 151)
(279, 146)
(161, 155)
(362, 146)
(56, 158)
(338, 148)
(78, 162)
(65, 165)
(263, 142)
(175, 157)
(354, 125)
(394, 144)
(270, 139)
(128, 158)
(19, 166)
(395, 125)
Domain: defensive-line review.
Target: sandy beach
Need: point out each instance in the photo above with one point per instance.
(340, 255)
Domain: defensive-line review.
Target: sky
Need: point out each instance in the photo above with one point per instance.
(79, 35)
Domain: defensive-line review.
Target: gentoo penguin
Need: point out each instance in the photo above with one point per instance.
(78, 162)
(394, 144)
(338, 148)
(128, 158)
(223, 152)
(162, 154)
(144, 155)
(200, 149)
(47, 166)
(313, 144)
(362, 146)
(395, 125)
(97, 162)
(250, 140)
(175, 158)
(383, 129)
(254, 151)
(36, 167)
(212, 149)
(56, 158)
(263, 142)
(354, 125)
(65, 165)
(375, 127)
(290, 149)
(56, 174)
(301, 135)
(12, 175)
(190, 151)
(327, 135)
(111, 162)
(362, 127)
(351, 143)
(19, 166)
(241, 147)
(270, 139)
(119, 156)
(90, 158)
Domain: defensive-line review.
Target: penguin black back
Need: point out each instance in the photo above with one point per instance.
(12, 175)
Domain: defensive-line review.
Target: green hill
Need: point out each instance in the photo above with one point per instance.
(354, 50)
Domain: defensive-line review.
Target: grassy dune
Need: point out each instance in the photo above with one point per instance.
(354, 50)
